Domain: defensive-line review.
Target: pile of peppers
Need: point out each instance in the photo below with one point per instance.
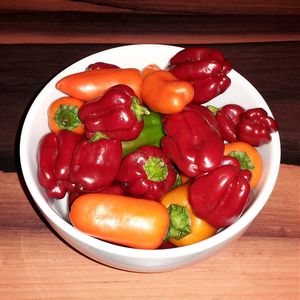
(142, 142)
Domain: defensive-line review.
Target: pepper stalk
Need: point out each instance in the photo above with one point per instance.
(180, 222)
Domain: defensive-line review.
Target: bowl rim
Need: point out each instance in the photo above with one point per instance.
(227, 234)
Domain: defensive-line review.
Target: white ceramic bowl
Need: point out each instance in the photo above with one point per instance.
(138, 56)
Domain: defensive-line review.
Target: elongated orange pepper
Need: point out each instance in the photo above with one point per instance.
(63, 114)
(132, 222)
(164, 93)
(199, 229)
(149, 69)
(91, 84)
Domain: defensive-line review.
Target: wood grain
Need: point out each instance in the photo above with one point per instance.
(118, 21)
(264, 263)
(289, 7)
(78, 27)
(6, 6)
(39, 38)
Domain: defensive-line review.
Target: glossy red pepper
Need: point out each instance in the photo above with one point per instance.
(114, 189)
(101, 65)
(252, 126)
(54, 158)
(256, 126)
(95, 163)
(193, 141)
(228, 118)
(233, 161)
(220, 196)
(205, 68)
(146, 173)
(117, 114)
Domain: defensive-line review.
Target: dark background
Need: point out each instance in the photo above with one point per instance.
(38, 40)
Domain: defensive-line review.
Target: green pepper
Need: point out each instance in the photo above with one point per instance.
(151, 134)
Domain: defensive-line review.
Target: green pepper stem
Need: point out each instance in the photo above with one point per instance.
(180, 222)
(98, 135)
(213, 109)
(66, 117)
(156, 169)
(244, 159)
(138, 109)
(178, 180)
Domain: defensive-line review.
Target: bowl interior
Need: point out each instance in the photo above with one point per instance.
(138, 56)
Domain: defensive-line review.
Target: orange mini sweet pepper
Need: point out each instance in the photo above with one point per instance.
(164, 93)
(188, 232)
(91, 84)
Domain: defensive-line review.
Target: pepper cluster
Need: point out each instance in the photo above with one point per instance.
(146, 134)
(113, 127)
(252, 126)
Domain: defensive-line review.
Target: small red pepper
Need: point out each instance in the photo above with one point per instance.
(95, 163)
(101, 65)
(228, 119)
(231, 160)
(252, 126)
(193, 141)
(205, 68)
(220, 196)
(146, 173)
(114, 189)
(117, 114)
(54, 158)
(255, 127)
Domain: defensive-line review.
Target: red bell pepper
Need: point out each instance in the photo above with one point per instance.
(252, 126)
(114, 189)
(146, 173)
(220, 196)
(228, 118)
(54, 158)
(101, 65)
(205, 68)
(117, 114)
(256, 126)
(95, 163)
(245, 171)
(193, 141)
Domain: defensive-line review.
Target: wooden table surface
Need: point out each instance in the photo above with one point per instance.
(263, 264)
(39, 38)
